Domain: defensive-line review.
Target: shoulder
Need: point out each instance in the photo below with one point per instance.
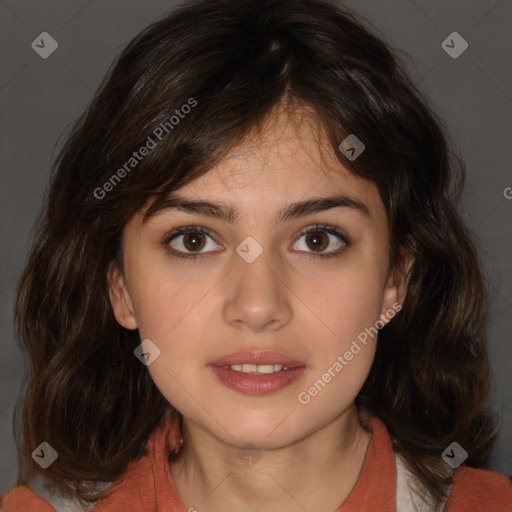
(133, 491)
(479, 490)
(20, 497)
(39, 495)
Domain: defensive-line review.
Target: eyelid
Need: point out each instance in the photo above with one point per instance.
(182, 230)
(169, 236)
(333, 230)
(192, 228)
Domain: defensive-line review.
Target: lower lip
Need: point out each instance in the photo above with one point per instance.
(257, 384)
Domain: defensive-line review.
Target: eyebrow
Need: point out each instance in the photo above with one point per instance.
(229, 214)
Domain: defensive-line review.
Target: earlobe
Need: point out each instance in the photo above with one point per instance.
(120, 298)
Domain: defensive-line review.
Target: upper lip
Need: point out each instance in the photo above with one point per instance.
(257, 357)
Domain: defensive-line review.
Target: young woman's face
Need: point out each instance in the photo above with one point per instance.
(260, 289)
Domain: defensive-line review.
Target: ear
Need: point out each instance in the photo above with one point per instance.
(120, 298)
(395, 289)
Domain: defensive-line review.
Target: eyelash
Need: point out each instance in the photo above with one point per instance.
(168, 237)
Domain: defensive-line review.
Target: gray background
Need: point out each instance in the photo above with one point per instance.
(41, 98)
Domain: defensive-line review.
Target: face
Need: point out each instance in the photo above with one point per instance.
(291, 294)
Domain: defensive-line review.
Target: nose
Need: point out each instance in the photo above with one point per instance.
(257, 296)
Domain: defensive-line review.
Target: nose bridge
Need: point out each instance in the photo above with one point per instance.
(256, 294)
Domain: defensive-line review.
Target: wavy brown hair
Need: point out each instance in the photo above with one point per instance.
(87, 395)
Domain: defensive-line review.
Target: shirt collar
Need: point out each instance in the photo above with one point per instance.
(375, 486)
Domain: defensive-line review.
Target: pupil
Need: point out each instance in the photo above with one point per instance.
(316, 239)
(192, 240)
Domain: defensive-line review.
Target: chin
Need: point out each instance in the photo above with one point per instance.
(264, 431)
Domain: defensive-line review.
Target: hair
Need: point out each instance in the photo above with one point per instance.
(86, 393)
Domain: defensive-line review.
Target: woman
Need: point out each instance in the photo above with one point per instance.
(251, 288)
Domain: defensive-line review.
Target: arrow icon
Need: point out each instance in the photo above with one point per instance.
(454, 455)
(454, 45)
(147, 352)
(249, 249)
(44, 455)
(352, 147)
(44, 45)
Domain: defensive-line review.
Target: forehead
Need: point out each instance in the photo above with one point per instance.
(289, 159)
(283, 170)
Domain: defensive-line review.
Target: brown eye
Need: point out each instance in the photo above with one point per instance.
(189, 242)
(193, 241)
(319, 238)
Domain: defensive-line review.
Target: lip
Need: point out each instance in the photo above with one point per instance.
(257, 357)
(257, 385)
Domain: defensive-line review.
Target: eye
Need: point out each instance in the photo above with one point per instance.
(189, 238)
(320, 237)
(195, 241)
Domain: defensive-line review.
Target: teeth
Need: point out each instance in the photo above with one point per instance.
(258, 369)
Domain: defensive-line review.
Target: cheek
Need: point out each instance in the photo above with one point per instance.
(164, 297)
(334, 384)
(173, 310)
(336, 302)
(348, 305)
(346, 301)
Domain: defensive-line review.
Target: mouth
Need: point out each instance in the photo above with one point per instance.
(257, 373)
(257, 369)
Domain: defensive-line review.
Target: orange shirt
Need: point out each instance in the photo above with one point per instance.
(147, 485)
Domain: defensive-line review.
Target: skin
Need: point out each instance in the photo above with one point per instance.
(308, 455)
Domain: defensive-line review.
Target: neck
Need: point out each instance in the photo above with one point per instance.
(315, 473)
